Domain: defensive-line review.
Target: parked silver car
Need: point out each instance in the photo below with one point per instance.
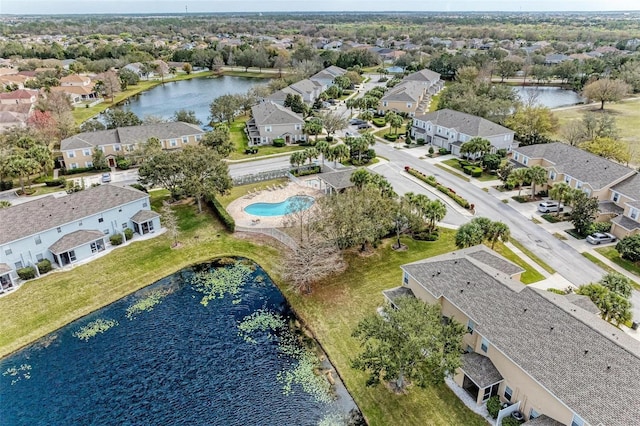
(601, 238)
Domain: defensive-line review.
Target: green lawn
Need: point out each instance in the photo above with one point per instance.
(612, 254)
(453, 172)
(530, 274)
(453, 162)
(331, 311)
(606, 267)
(533, 257)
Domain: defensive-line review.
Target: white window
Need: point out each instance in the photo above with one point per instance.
(129, 147)
(74, 166)
(516, 156)
(71, 154)
(578, 184)
(405, 279)
(297, 127)
(484, 345)
(429, 127)
(633, 213)
(567, 179)
(385, 103)
(615, 197)
(117, 148)
(185, 139)
(106, 232)
(88, 163)
(59, 229)
(552, 175)
(39, 257)
(508, 393)
(587, 191)
(101, 148)
(38, 239)
(8, 251)
(439, 129)
(409, 105)
(173, 142)
(86, 152)
(533, 414)
(267, 129)
(100, 220)
(124, 225)
(470, 326)
(198, 137)
(72, 256)
(577, 421)
(507, 138)
(18, 265)
(525, 160)
(144, 204)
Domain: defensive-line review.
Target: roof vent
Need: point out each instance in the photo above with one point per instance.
(525, 309)
(461, 290)
(586, 351)
(608, 367)
(551, 328)
(438, 273)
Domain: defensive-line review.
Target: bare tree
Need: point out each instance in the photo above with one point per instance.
(606, 90)
(110, 84)
(170, 222)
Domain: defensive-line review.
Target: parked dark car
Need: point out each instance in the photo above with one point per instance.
(364, 126)
(356, 121)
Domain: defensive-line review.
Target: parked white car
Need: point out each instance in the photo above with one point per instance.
(550, 206)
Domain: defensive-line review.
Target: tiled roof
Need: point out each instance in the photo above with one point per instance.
(46, 213)
(130, 135)
(480, 369)
(75, 239)
(572, 353)
(19, 94)
(579, 164)
(144, 216)
(269, 113)
(464, 123)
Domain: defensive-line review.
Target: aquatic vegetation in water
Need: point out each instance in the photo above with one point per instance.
(262, 320)
(304, 374)
(18, 373)
(147, 303)
(94, 327)
(221, 281)
(333, 419)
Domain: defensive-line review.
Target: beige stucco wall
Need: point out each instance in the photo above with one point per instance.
(399, 106)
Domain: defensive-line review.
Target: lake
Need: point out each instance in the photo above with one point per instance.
(160, 356)
(551, 97)
(195, 94)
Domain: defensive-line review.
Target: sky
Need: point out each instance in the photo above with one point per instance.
(201, 6)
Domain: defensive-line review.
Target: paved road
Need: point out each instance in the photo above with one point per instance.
(560, 256)
(257, 166)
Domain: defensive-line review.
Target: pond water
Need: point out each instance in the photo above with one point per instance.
(551, 97)
(163, 357)
(195, 95)
(297, 202)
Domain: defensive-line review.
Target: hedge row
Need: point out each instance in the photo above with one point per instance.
(221, 213)
(55, 182)
(379, 122)
(431, 180)
(472, 170)
(390, 137)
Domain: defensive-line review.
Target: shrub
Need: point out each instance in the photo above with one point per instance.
(123, 163)
(76, 171)
(426, 236)
(390, 137)
(138, 187)
(431, 180)
(251, 151)
(494, 406)
(44, 266)
(556, 291)
(5, 185)
(599, 227)
(307, 171)
(27, 273)
(221, 213)
(510, 421)
(329, 138)
(55, 182)
(278, 142)
(379, 122)
(629, 248)
(128, 233)
(443, 151)
(502, 152)
(116, 239)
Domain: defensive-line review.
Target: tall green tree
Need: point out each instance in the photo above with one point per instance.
(560, 191)
(408, 343)
(205, 174)
(518, 177)
(297, 158)
(339, 152)
(98, 159)
(584, 212)
(537, 175)
(224, 108)
(219, 140)
(116, 117)
(468, 235)
(629, 248)
(606, 90)
(186, 116)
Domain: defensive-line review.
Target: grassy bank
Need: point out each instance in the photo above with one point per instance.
(331, 311)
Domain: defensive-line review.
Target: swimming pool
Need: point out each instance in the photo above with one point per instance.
(295, 203)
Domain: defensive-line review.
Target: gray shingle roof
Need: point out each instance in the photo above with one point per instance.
(629, 187)
(407, 91)
(584, 302)
(480, 369)
(46, 213)
(491, 258)
(74, 240)
(579, 164)
(144, 216)
(338, 180)
(626, 222)
(423, 75)
(543, 421)
(464, 123)
(4, 268)
(609, 207)
(393, 293)
(130, 135)
(576, 356)
(269, 113)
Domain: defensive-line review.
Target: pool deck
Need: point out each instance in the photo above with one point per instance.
(277, 195)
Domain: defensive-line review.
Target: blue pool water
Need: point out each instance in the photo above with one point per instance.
(180, 363)
(297, 203)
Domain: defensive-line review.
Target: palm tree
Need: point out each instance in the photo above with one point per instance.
(22, 166)
(311, 154)
(498, 231)
(537, 176)
(475, 146)
(559, 192)
(312, 127)
(360, 178)
(366, 116)
(323, 148)
(339, 152)
(396, 121)
(296, 159)
(519, 177)
(434, 212)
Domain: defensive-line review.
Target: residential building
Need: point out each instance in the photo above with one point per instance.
(270, 121)
(413, 94)
(310, 88)
(450, 129)
(69, 229)
(21, 96)
(77, 151)
(616, 187)
(14, 115)
(543, 353)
